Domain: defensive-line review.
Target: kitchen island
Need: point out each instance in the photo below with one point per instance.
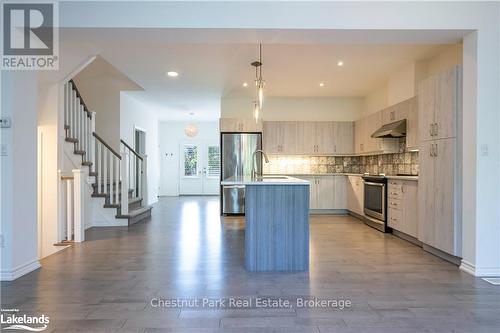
(276, 222)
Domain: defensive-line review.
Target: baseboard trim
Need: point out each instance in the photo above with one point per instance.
(19, 271)
(407, 237)
(467, 267)
(471, 269)
(328, 211)
(443, 255)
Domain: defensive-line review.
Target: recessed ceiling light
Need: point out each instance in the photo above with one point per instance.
(191, 113)
(340, 63)
(173, 74)
(321, 84)
(245, 84)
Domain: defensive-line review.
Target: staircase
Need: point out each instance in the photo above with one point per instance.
(111, 173)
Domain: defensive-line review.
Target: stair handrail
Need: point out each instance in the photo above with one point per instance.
(101, 140)
(131, 149)
(89, 114)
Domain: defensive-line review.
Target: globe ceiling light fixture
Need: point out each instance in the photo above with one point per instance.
(191, 130)
(259, 85)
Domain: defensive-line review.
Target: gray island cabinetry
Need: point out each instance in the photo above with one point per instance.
(276, 222)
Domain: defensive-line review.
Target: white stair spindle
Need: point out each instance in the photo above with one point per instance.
(92, 141)
(66, 97)
(69, 210)
(75, 117)
(117, 178)
(144, 187)
(71, 105)
(80, 127)
(105, 171)
(98, 166)
(124, 185)
(139, 177)
(111, 178)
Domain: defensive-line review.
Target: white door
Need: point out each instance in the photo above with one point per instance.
(199, 168)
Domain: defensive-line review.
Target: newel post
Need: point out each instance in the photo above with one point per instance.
(79, 204)
(124, 180)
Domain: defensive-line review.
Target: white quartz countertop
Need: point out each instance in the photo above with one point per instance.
(265, 180)
(403, 177)
(415, 178)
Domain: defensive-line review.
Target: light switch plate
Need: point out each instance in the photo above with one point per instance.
(484, 150)
(4, 149)
(5, 122)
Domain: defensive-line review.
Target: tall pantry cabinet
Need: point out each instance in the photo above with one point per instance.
(439, 113)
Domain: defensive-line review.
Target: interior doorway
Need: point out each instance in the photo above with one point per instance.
(199, 168)
(140, 141)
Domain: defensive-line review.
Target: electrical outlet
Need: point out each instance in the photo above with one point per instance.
(5, 122)
(4, 149)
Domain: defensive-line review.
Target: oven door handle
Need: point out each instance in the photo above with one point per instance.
(374, 184)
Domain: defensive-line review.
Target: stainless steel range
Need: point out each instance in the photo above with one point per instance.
(375, 201)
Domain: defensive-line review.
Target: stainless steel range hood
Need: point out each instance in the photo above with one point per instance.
(396, 129)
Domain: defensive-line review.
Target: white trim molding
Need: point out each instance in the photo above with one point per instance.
(479, 272)
(19, 271)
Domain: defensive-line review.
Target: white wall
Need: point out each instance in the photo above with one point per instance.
(48, 98)
(171, 135)
(100, 84)
(134, 114)
(18, 182)
(403, 83)
(295, 108)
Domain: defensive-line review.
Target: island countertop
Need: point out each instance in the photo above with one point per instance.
(265, 180)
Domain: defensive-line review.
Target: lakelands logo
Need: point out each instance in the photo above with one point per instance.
(11, 320)
(30, 35)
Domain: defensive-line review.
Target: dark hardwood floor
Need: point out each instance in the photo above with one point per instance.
(106, 284)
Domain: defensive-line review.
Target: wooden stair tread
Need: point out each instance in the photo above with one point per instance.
(136, 212)
(79, 152)
(134, 200)
(65, 243)
(72, 140)
(87, 163)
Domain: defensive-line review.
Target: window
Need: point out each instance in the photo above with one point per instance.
(190, 161)
(213, 161)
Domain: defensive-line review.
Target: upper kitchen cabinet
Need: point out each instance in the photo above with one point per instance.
(412, 125)
(239, 125)
(308, 137)
(343, 137)
(280, 137)
(406, 109)
(439, 98)
(315, 137)
(365, 144)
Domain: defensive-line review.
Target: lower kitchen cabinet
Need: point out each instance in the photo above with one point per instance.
(327, 192)
(355, 194)
(402, 208)
(439, 203)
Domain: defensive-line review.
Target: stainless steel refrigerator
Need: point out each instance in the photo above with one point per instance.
(237, 158)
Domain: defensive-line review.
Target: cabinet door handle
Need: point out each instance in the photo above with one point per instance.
(436, 149)
(431, 129)
(334, 147)
(436, 130)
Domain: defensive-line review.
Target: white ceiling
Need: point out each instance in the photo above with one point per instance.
(214, 64)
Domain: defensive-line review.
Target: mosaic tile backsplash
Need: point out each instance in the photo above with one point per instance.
(390, 164)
